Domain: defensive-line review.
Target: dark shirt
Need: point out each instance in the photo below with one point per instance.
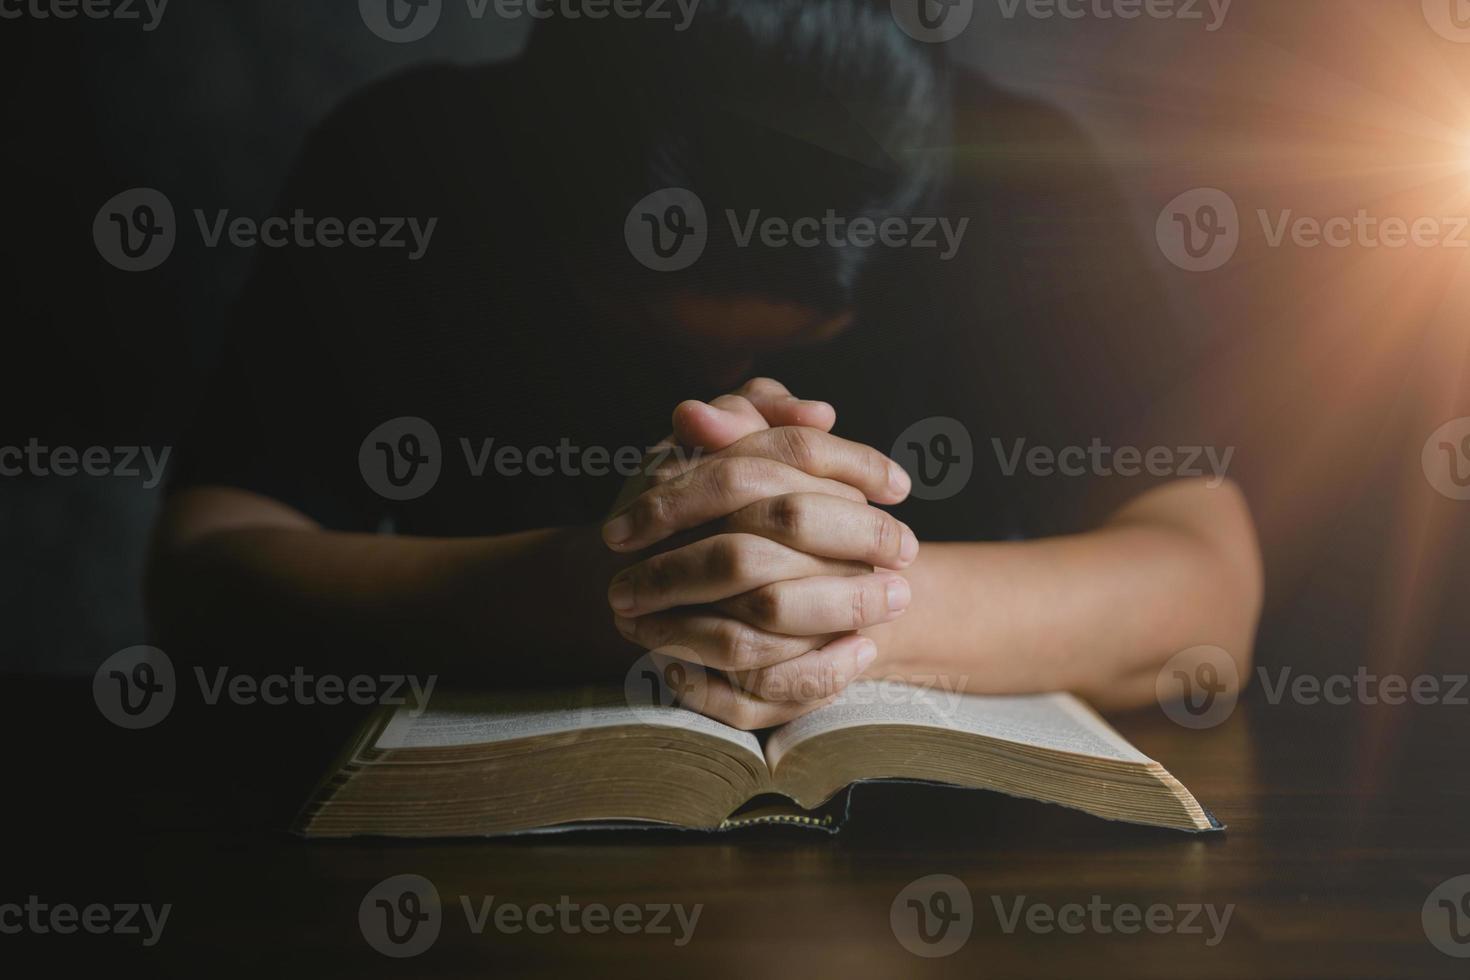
(1045, 327)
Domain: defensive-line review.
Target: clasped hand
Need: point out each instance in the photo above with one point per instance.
(761, 557)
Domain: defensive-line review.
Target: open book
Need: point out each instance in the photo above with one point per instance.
(473, 765)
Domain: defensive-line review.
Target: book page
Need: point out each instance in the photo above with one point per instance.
(1054, 721)
(468, 718)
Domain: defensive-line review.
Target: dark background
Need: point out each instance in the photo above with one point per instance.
(210, 108)
(1331, 369)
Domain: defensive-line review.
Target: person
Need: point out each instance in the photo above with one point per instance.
(772, 538)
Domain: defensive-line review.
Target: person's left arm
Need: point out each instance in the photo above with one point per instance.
(1097, 613)
(1069, 342)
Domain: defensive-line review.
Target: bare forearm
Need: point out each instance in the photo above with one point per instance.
(1095, 613)
(516, 608)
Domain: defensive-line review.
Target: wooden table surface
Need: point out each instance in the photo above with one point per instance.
(1341, 822)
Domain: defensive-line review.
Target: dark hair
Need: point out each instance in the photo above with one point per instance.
(791, 107)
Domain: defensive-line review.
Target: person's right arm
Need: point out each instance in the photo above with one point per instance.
(241, 578)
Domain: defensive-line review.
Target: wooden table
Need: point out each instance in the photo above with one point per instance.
(1341, 822)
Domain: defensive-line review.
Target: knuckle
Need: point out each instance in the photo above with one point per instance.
(765, 605)
(859, 606)
(799, 446)
(885, 535)
(653, 510)
(788, 515)
(726, 560)
(874, 466)
(735, 477)
(654, 578)
(753, 559)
